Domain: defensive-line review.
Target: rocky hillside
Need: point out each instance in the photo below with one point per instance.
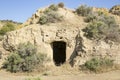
(87, 32)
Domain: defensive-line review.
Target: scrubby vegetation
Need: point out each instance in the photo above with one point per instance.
(6, 28)
(83, 10)
(50, 15)
(53, 7)
(102, 26)
(99, 64)
(11, 21)
(61, 5)
(24, 59)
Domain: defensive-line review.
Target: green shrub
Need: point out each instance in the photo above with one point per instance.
(50, 17)
(47, 11)
(96, 16)
(53, 7)
(43, 19)
(83, 10)
(53, 17)
(96, 64)
(94, 30)
(91, 17)
(6, 28)
(61, 5)
(109, 20)
(113, 33)
(24, 59)
(102, 27)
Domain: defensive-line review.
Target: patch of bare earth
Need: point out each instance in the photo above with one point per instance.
(61, 73)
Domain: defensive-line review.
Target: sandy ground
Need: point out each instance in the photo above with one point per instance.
(112, 75)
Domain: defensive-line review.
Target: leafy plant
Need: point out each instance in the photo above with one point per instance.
(25, 58)
(102, 27)
(94, 30)
(96, 64)
(91, 17)
(53, 7)
(50, 17)
(43, 19)
(83, 10)
(6, 28)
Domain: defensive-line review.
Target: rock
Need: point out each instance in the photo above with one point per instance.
(115, 10)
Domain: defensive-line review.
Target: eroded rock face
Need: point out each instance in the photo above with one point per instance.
(42, 37)
(78, 49)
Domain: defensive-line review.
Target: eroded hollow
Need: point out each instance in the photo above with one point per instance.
(59, 52)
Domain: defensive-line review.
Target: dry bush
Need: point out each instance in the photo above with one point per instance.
(53, 7)
(24, 59)
(99, 64)
(102, 27)
(50, 15)
(61, 5)
(83, 10)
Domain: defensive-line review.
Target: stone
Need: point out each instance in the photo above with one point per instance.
(115, 10)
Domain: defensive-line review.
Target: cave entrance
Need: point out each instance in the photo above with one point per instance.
(59, 52)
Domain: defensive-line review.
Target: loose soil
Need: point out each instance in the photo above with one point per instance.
(56, 75)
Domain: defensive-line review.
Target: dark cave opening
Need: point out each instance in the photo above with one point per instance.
(59, 52)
